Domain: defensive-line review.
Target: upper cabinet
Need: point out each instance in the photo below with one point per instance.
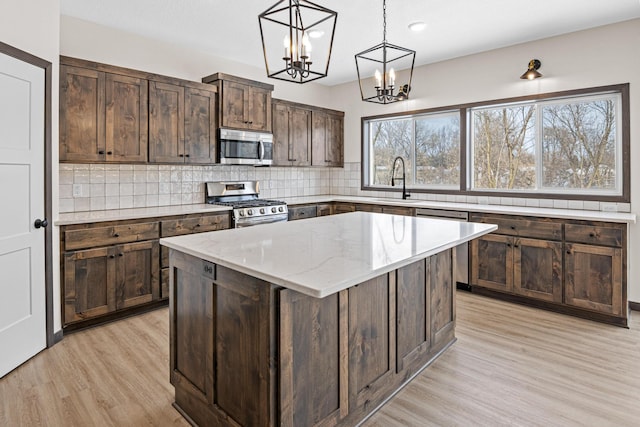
(305, 135)
(291, 134)
(103, 116)
(243, 104)
(327, 138)
(114, 114)
(182, 123)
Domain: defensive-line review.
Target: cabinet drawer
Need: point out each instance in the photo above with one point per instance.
(521, 227)
(199, 224)
(301, 212)
(104, 236)
(594, 234)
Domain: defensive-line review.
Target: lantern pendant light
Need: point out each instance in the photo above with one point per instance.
(379, 69)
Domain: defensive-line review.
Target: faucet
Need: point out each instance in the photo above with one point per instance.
(393, 177)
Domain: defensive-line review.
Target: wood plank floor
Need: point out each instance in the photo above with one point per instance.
(511, 365)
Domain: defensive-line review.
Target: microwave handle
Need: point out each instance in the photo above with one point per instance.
(261, 150)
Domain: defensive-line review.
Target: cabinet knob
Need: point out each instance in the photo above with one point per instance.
(180, 155)
(569, 252)
(101, 152)
(116, 235)
(508, 245)
(109, 153)
(186, 155)
(112, 256)
(513, 227)
(120, 254)
(592, 235)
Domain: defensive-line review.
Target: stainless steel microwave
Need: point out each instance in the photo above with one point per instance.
(237, 147)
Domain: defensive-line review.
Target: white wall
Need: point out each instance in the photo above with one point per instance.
(34, 26)
(86, 40)
(601, 56)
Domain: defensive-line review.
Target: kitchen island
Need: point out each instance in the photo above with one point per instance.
(314, 322)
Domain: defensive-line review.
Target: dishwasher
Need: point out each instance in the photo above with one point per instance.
(461, 252)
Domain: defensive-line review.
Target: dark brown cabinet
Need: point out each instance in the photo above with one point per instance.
(100, 281)
(327, 138)
(103, 116)
(574, 264)
(291, 134)
(243, 104)
(182, 124)
(595, 267)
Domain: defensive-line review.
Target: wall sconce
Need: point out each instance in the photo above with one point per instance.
(532, 70)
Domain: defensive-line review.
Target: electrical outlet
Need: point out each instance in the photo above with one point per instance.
(609, 207)
(77, 190)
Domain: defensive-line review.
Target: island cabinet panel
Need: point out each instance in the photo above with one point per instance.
(440, 273)
(413, 317)
(372, 363)
(313, 339)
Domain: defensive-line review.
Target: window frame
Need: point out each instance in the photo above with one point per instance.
(465, 152)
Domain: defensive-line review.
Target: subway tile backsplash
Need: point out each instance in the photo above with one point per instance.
(86, 187)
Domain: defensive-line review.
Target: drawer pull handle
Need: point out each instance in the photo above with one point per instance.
(109, 152)
(116, 235)
(197, 225)
(120, 254)
(101, 152)
(592, 235)
(569, 252)
(513, 227)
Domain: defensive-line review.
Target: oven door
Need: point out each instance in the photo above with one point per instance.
(245, 148)
(260, 220)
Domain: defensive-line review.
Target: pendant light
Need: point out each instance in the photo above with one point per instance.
(290, 31)
(385, 70)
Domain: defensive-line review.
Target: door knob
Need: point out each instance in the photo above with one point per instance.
(40, 223)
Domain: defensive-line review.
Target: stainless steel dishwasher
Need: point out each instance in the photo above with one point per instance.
(461, 255)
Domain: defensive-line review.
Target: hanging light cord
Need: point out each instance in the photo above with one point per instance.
(384, 21)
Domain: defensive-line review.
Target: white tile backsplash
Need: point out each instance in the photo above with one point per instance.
(126, 186)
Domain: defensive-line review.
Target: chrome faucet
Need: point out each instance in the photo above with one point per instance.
(393, 177)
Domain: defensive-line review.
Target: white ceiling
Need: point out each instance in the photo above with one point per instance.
(229, 29)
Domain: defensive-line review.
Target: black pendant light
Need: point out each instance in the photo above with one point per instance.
(290, 31)
(385, 70)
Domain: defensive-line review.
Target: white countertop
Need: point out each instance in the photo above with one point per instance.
(136, 213)
(324, 255)
(579, 214)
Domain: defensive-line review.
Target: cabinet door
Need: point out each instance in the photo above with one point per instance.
(259, 109)
(200, 126)
(82, 114)
(344, 208)
(326, 139)
(334, 143)
(89, 284)
(492, 262)
(166, 123)
(537, 269)
(137, 273)
(235, 105)
(593, 278)
(126, 118)
(281, 132)
(313, 339)
(300, 136)
(324, 210)
(413, 317)
(372, 354)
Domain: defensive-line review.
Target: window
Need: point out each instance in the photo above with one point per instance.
(571, 145)
(556, 146)
(428, 143)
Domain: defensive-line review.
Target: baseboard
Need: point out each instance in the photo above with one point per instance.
(634, 306)
(57, 337)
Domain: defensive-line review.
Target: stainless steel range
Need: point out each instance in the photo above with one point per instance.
(248, 209)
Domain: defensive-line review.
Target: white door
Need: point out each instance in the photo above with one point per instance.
(22, 262)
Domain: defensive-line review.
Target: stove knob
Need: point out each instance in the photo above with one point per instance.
(250, 212)
(273, 210)
(241, 213)
(262, 210)
(280, 209)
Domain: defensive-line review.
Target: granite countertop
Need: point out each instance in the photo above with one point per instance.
(324, 255)
(136, 213)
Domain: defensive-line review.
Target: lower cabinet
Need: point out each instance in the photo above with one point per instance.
(576, 266)
(104, 280)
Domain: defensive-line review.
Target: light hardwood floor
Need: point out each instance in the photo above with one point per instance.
(511, 365)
